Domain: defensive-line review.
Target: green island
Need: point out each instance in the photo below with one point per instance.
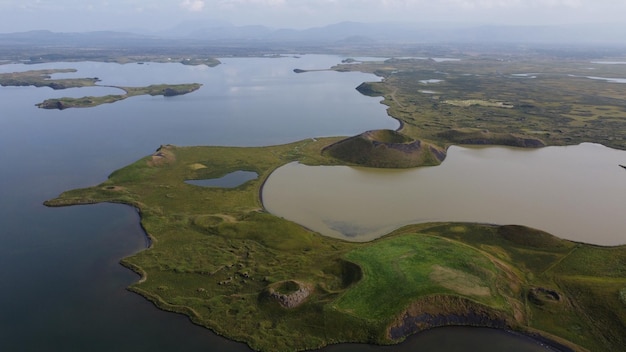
(42, 78)
(218, 257)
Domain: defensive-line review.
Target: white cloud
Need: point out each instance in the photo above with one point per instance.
(254, 2)
(193, 5)
(77, 14)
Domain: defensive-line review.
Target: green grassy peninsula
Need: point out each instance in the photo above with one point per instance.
(217, 256)
(167, 90)
(43, 78)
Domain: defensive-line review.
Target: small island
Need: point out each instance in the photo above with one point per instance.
(166, 90)
(42, 78)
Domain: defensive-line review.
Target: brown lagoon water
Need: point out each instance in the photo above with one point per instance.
(575, 192)
(61, 285)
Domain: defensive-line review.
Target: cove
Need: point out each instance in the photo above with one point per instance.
(574, 192)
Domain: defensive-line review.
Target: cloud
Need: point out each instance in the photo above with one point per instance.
(193, 5)
(256, 2)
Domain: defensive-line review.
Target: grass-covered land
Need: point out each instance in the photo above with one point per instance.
(508, 98)
(167, 90)
(219, 258)
(385, 149)
(136, 54)
(43, 78)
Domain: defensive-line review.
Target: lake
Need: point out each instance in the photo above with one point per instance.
(574, 192)
(61, 285)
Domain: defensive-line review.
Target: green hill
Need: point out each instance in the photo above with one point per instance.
(484, 137)
(385, 149)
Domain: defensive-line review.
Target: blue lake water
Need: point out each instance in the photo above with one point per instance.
(61, 287)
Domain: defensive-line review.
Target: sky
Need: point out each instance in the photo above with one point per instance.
(161, 15)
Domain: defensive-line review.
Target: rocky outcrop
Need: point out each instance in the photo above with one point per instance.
(436, 311)
(289, 294)
(163, 155)
(51, 104)
(541, 296)
(174, 91)
(371, 89)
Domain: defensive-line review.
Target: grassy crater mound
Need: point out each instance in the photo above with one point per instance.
(385, 149)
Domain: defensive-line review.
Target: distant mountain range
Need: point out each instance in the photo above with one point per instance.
(222, 33)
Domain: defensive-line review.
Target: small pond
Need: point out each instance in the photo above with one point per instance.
(231, 180)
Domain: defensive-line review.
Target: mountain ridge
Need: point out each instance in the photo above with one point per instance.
(220, 32)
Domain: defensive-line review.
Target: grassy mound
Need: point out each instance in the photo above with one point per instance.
(484, 137)
(371, 89)
(385, 149)
(425, 265)
(525, 236)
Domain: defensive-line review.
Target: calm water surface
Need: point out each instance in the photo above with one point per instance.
(574, 192)
(61, 287)
(454, 339)
(230, 180)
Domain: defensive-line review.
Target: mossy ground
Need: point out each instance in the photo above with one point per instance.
(546, 99)
(42, 78)
(215, 251)
(87, 102)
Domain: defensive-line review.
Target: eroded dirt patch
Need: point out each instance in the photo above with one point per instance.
(459, 281)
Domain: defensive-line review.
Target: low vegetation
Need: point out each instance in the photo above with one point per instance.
(43, 78)
(385, 149)
(167, 90)
(219, 258)
(529, 97)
